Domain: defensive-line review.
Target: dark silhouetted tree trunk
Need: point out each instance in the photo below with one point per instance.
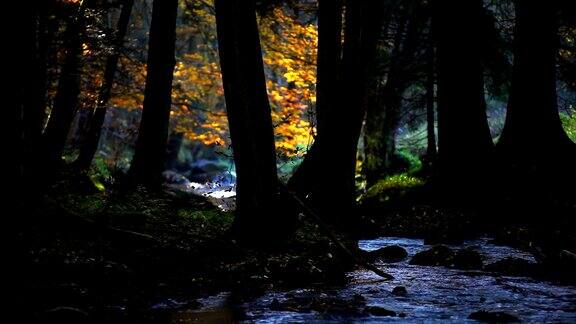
(150, 153)
(66, 99)
(34, 113)
(329, 58)
(309, 177)
(430, 117)
(42, 29)
(20, 65)
(464, 140)
(249, 119)
(90, 142)
(331, 188)
(364, 20)
(533, 132)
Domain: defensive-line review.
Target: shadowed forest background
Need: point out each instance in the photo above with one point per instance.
(179, 161)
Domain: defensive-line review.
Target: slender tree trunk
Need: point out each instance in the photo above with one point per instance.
(430, 99)
(68, 91)
(463, 133)
(150, 153)
(173, 150)
(249, 119)
(533, 132)
(34, 112)
(380, 132)
(89, 144)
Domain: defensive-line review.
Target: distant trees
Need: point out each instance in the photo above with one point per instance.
(249, 119)
(384, 113)
(150, 152)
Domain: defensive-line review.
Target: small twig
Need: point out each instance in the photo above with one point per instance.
(359, 261)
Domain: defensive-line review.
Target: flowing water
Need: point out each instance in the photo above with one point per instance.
(435, 294)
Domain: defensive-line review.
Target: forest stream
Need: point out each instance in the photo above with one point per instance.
(431, 294)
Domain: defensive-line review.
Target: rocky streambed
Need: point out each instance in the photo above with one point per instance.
(457, 290)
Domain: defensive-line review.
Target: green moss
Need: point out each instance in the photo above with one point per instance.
(569, 122)
(393, 185)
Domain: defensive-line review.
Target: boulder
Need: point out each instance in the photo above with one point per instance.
(379, 311)
(439, 255)
(392, 253)
(512, 266)
(467, 259)
(400, 291)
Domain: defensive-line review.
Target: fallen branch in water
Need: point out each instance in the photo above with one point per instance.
(358, 260)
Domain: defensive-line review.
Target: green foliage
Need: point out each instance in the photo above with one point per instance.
(166, 216)
(413, 160)
(213, 217)
(569, 122)
(393, 185)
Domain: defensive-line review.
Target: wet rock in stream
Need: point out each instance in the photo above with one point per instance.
(467, 259)
(439, 255)
(512, 266)
(400, 291)
(391, 253)
(379, 311)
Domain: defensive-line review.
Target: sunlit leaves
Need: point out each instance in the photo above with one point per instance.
(289, 48)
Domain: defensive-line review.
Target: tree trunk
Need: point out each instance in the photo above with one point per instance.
(150, 152)
(463, 133)
(34, 112)
(89, 144)
(430, 117)
(66, 99)
(309, 177)
(329, 57)
(332, 188)
(40, 29)
(533, 132)
(21, 64)
(249, 120)
(173, 150)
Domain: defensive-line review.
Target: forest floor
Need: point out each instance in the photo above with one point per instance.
(133, 257)
(114, 257)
